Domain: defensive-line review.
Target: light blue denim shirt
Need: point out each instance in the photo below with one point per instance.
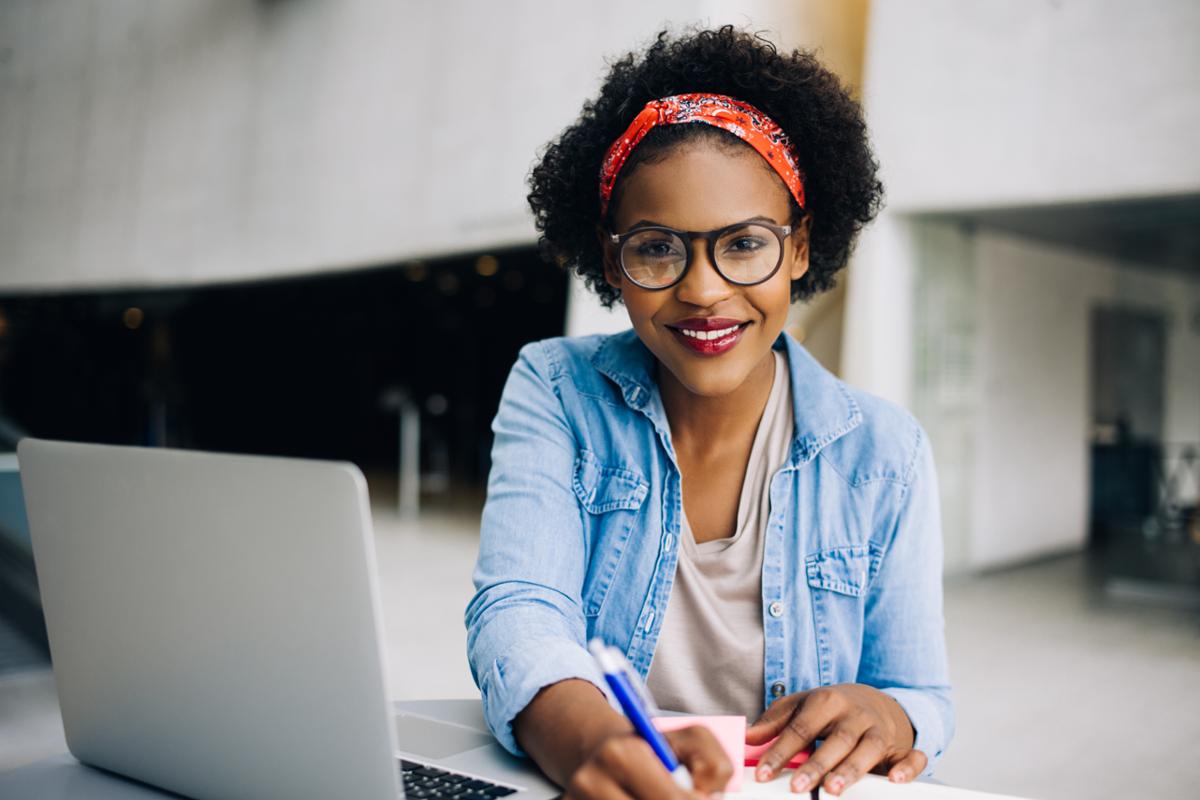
(580, 537)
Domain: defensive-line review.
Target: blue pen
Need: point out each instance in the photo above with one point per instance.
(636, 704)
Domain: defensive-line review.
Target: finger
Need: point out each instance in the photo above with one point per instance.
(704, 757)
(772, 721)
(839, 743)
(805, 726)
(909, 767)
(871, 749)
(636, 769)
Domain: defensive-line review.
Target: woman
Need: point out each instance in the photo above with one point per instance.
(698, 491)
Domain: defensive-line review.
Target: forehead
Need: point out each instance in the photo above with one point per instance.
(701, 186)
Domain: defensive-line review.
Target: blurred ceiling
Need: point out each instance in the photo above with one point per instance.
(1153, 233)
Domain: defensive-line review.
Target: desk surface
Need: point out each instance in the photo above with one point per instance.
(63, 778)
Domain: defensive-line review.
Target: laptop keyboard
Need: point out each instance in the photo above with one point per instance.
(421, 781)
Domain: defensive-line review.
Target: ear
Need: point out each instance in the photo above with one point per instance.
(798, 263)
(612, 270)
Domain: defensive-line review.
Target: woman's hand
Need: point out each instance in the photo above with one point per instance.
(623, 766)
(862, 729)
(586, 746)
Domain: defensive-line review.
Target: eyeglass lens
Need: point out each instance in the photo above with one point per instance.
(746, 254)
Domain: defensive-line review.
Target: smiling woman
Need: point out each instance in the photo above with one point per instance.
(755, 536)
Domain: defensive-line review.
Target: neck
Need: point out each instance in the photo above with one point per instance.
(702, 424)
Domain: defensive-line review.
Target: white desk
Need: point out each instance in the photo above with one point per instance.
(63, 778)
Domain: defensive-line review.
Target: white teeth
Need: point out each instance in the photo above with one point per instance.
(708, 335)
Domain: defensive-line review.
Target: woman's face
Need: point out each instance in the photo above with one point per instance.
(702, 187)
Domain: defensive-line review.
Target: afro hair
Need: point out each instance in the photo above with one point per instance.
(824, 123)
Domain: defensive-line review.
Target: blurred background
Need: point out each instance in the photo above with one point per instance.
(298, 227)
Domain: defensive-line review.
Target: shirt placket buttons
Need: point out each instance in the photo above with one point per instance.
(778, 689)
(775, 609)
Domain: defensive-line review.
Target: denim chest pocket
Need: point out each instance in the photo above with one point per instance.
(838, 580)
(610, 497)
(844, 570)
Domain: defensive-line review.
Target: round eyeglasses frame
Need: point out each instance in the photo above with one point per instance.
(711, 237)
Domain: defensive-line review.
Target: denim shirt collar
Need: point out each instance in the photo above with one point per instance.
(823, 410)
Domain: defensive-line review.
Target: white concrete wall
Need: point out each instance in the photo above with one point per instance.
(152, 142)
(1009, 102)
(1031, 436)
(994, 103)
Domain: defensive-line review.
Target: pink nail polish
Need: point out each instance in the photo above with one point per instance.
(763, 773)
(836, 785)
(800, 782)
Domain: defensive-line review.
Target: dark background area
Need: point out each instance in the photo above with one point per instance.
(295, 367)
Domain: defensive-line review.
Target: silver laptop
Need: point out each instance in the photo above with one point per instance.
(214, 626)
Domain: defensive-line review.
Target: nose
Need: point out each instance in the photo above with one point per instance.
(702, 285)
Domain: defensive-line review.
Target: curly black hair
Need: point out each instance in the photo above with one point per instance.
(842, 190)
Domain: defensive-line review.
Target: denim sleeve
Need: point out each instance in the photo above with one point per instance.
(525, 624)
(904, 643)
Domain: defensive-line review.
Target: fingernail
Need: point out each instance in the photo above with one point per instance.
(801, 781)
(836, 784)
(717, 796)
(763, 773)
(899, 776)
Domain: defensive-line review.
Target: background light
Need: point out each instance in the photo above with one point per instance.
(487, 266)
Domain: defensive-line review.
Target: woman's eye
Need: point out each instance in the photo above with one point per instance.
(662, 249)
(745, 244)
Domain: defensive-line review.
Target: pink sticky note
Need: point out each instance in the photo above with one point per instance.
(754, 755)
(730, 732)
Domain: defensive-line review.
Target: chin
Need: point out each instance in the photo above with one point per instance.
(710, 380)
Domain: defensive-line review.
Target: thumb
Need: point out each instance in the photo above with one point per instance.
(909, 767)
(773, 720)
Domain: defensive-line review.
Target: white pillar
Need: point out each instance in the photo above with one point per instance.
(877, 344)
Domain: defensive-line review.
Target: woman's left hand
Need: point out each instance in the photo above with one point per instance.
(861, 727)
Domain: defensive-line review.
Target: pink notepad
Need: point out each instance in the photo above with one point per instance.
(731, 733)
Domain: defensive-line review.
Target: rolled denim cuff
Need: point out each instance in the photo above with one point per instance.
(926, 719)
(522, 671)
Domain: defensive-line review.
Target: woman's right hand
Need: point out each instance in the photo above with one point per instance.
(623, 766)
(589, 748)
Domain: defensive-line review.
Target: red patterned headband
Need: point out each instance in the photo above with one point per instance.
(741, 119)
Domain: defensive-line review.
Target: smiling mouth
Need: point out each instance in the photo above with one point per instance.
(710, 335)
(709, 341)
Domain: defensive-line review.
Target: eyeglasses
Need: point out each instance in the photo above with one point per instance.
(744, 253)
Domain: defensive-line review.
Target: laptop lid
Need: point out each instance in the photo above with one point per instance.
(213, 619)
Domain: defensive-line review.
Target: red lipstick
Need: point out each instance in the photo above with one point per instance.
(708, 336)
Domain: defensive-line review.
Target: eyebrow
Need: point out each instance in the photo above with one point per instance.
(649, 223)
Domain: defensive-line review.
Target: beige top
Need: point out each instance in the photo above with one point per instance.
(709, 657)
